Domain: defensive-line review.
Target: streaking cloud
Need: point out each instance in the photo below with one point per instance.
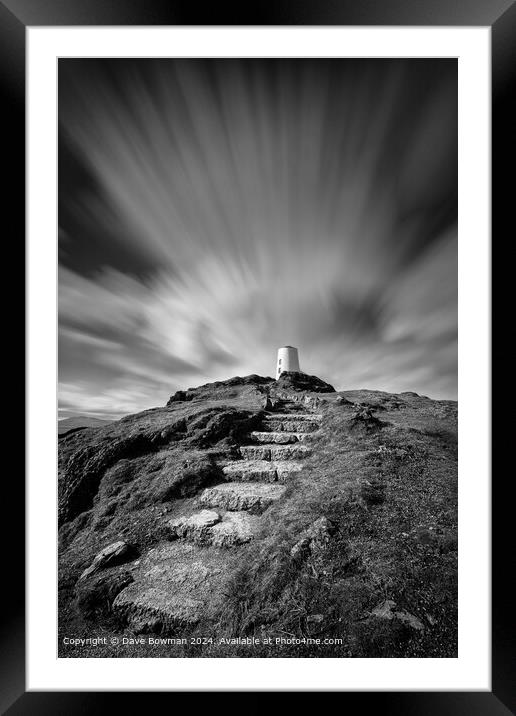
(211, 211)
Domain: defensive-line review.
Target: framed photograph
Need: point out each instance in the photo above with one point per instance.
(258, 364)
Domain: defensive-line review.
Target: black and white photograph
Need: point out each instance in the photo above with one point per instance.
(257, 358)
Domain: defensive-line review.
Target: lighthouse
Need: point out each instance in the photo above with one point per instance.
(288, 360)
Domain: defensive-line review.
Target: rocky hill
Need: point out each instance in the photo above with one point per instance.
(277, 514)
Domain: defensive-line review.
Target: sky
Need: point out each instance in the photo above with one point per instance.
(211, 211)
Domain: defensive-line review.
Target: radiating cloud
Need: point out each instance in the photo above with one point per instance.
(235, 206)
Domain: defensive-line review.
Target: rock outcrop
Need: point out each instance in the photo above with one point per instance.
(218, 388)
(303, 382)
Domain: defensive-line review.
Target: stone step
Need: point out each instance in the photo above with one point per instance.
(311, 417)
(256, 496)
(176, 584)
(208, 527)
(280, 438)
(250, 471)
(259, 470)
(290, 425)
(274, 452)
(236, 528)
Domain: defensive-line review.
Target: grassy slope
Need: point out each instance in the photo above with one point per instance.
(390, 489)
(80, 421)
(392, 493)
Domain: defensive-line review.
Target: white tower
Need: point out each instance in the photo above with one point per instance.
(288, 360)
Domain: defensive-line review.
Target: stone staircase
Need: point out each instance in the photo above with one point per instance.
(229, 517)
(252, 483)
(276, 450)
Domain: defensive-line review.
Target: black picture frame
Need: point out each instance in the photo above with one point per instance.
(500, 15)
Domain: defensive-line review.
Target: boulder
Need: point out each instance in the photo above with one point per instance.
(109, 556)
(386, 610)
(95, 595)
(365, 418)
(314, 540)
